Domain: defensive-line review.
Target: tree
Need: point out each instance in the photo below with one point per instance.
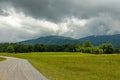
(87, 44)
(107, 48)
(29, 48)
(3, 47)
(77, 47)
(39, 48)
(53, 48)
(69, 48)
(10, 49)
(97, 51)
(116, 50)
(21, 48)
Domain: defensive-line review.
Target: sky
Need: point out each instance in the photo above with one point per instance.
(28, 19)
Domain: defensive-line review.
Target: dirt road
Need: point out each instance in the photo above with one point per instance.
(18, 69)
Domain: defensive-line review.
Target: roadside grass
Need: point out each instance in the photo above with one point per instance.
(2, 59)
(74, 66)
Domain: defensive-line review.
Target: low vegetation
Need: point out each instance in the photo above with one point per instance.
(74, 66)
(1, 59)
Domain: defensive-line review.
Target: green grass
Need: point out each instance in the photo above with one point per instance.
(74, 66)
(1, 59)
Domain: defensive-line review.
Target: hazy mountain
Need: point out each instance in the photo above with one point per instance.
(97, 40)
(51, 40)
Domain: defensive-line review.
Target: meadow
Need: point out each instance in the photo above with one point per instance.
(74, 66)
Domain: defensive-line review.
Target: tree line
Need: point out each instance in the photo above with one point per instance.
(86, 47)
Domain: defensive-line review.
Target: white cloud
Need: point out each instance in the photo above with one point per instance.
(79, 22)
(17, 26)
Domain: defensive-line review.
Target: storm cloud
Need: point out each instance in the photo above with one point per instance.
(27, 19)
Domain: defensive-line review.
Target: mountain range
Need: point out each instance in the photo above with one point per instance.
(52, 40)
(95, 40)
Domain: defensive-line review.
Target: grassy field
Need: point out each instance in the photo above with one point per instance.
(74, 66)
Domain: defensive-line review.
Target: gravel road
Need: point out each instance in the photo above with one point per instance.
(18, 69)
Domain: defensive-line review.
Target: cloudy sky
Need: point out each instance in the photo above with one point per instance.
(27, 19)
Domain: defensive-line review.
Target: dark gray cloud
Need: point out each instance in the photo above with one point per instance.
(58, 9)
(27, 19)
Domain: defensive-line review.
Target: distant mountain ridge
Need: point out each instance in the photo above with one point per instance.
(95, 40)
(52, 40)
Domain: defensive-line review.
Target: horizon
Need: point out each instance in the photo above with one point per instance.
(27, 19)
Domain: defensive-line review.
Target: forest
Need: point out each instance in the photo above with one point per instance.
(86, 47)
